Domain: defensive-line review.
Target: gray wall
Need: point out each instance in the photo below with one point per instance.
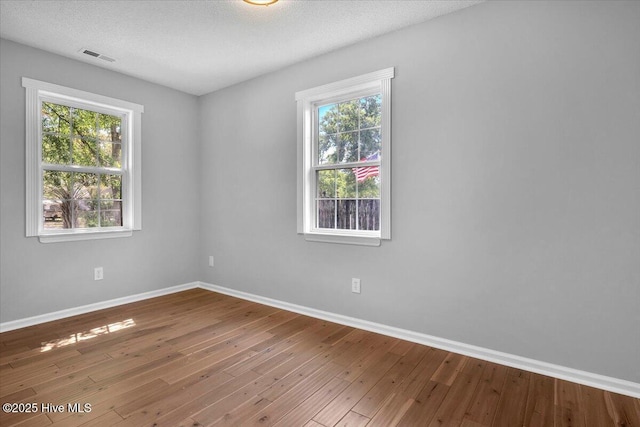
(38, 278)
(516, 197)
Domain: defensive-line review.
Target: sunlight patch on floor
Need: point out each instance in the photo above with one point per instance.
(87, 335)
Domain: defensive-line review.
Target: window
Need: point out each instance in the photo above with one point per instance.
(344, 150)
(83, 164)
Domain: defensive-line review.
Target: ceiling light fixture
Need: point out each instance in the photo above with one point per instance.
(260, 2)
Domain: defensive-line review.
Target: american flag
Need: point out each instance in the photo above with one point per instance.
(367, 171)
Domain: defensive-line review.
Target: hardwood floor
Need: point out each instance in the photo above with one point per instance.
(198, 358)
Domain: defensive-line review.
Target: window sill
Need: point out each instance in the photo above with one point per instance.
(84, 235)
(342, 239)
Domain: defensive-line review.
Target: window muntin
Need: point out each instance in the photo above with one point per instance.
(83, 164)
(345, 160)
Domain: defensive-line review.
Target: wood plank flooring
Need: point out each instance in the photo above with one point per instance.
(198, 358)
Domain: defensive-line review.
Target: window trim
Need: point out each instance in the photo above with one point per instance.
(307, 102)
(36, 92)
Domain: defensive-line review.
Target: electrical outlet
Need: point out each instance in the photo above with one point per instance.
(210, 260)
(355, 285)
(98, 273)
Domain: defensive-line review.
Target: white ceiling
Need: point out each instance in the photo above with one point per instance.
(201, 46)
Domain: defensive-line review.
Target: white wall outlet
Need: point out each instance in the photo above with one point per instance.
(355, 285)
(210, 260)
(98, 273)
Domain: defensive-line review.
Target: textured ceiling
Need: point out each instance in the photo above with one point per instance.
(201, 46)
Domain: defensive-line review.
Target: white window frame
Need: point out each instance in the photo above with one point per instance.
(378, 82)
(39, 91)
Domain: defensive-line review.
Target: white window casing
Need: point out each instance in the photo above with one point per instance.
(38, 92)
(308, 101)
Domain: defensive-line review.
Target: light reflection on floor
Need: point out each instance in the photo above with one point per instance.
(87, 335)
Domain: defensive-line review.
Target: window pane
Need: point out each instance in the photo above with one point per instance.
(364, 172)
(56, 149)
(55, 118)
(110, 186)
(326, 213)
(110, 213)
(84, 123)
(85, 152)
(85, 213)
(109, 128)
(346, 205)
(57, 188)
(327, 149)
(346, 214)
(326, 181)
(369, 188)
(369, 214)
(328, 119)
(110, 154)
(348, 147)
(85, 186)
(57, 185)
(370, 144)
(348, 115)
(52, 214)
(370, 111)
(345, 183)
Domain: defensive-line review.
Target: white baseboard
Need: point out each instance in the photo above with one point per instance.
(57, 315)
(615, 385)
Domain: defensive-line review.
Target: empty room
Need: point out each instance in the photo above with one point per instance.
(319, 213)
